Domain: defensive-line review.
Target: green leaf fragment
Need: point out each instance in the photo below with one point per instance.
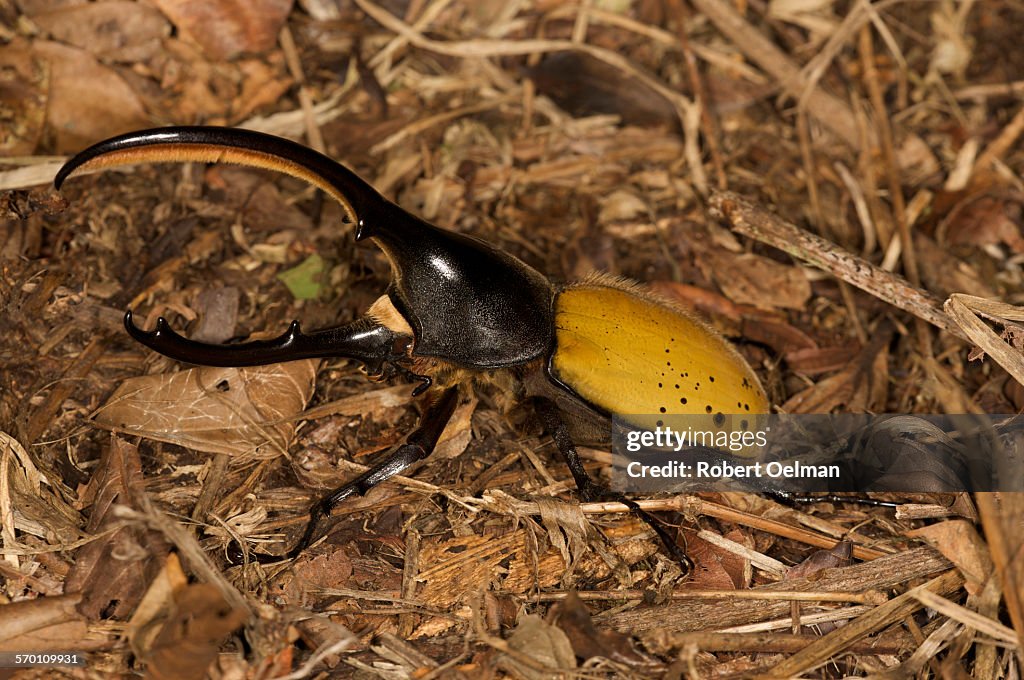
(303, 280)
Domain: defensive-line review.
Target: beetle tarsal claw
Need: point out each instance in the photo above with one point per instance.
(425, 382)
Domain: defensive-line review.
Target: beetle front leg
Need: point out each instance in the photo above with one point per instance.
(591, 491)
(417, 446)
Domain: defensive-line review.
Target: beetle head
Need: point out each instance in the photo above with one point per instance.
(467, 302)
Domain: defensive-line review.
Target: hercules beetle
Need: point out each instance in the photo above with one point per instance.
(460, 310)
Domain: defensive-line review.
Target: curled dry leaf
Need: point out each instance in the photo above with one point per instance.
(572, 616)
(87, 100)
(839, 556)
(217, 309)
(155, 604)
(116, 30)
(543, 643)
(198, 621)
(457, 433)
(24, 89)
(236, 411)
(944, 273)
(567, 530)
(227, 28)
(861, 386)
(759, 281)
(112, 572)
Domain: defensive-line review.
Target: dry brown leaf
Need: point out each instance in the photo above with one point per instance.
(217, 310)
(152, 610)
(299, 585)
(193, 88)
(839, 556)
(384, 405)
(712, 565)
(861, 386)
(781, 336)
(115, 30)
(88, 101)
(817, 360)
(264, 209)
(24, 90)
(28, 502)
(262, 84)
(987, 221)
(961, 544)
(188, 640)
(759, 281)
(567, 530)
(457, 433)
(227, 28)
(218, 410)
(112, 573)
(543, 643)
(943, 273)
(693, 297)
(572, 616)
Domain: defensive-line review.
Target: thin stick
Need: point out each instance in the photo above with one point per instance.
(702, 507)
(773, 643)
(874, 597)
(829, 110)
(820, 651)
(899, 207)
(708, 123)
(763, 226)
(1000, 512)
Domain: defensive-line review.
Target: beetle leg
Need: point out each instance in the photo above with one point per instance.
(417, 446)
(364, 340)
(591, 491)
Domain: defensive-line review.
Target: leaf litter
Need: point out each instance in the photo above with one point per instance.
(598, 135)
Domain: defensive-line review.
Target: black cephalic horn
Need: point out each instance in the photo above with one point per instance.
(363, 340)
(466, 301)
(230, 145)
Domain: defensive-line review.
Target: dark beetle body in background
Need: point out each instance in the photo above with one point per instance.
(460, 310)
